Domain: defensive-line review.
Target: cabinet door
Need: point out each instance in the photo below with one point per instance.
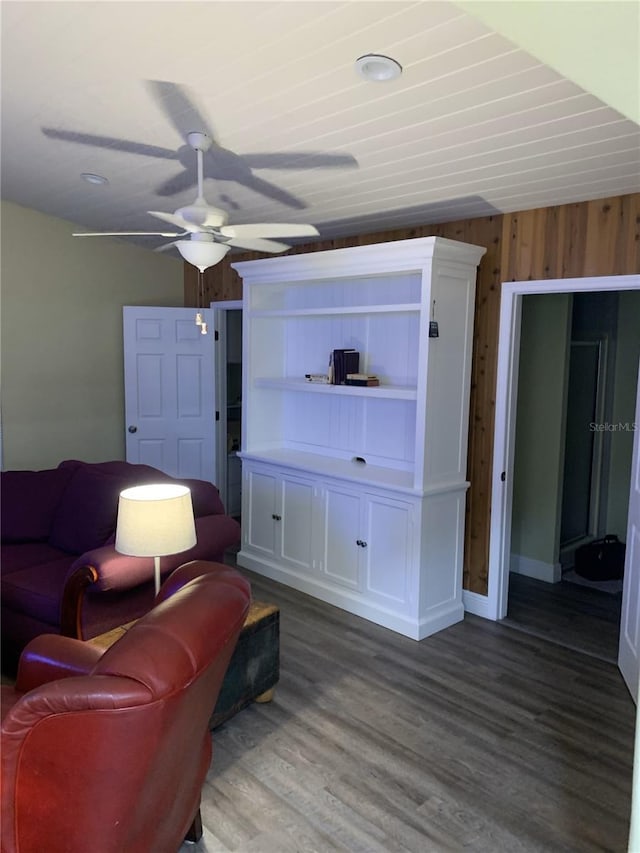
(388, 550)
(341, 535)
(295, 522)
(259, 516)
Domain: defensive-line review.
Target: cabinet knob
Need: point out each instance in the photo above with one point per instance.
(132, 428)
(361, 543)
(276, 517)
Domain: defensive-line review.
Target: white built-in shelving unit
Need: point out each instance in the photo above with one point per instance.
(356, 494)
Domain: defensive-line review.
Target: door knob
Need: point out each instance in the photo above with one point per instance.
(132, 428)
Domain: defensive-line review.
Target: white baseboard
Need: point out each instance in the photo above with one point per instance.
(549, 572)
(436, 619)
(477, 604)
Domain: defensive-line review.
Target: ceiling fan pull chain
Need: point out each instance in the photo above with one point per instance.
(199, 299)
(200, 303)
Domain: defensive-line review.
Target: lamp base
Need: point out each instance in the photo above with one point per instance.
(156, 566)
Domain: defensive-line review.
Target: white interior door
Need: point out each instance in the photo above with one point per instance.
(169, 381)
(629, 648)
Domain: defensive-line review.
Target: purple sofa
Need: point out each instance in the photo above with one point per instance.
(60, 572)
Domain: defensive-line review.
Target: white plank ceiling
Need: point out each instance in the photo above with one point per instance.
(474, 125)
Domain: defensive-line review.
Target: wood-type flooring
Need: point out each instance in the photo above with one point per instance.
(574, 616)
(479, 738)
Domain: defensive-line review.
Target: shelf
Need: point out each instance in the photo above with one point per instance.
(344, 469)
(392, 392)
(408, 308)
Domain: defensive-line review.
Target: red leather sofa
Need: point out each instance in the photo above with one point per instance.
(108, 751)
(60, 572)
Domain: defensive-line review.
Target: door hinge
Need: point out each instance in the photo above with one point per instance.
(503, 476)
(217, 416)
(216, 336)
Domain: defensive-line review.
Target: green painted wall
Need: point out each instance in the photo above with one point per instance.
(539, 457)
(61, 336)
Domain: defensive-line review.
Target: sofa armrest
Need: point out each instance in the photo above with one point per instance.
(115, 571)
(50, 657)
(105, 569)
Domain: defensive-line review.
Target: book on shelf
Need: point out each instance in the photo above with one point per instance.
(319, 378)
(364, 379)
(341, 362)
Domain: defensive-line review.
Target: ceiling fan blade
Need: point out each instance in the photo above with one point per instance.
(212, 220)
(258, 245)
(178, 221)
(126, 234)
(269, 229)
(202, 215)
(125, 145)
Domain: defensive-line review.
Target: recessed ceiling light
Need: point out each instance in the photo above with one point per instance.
(378, 68)
(93, 179)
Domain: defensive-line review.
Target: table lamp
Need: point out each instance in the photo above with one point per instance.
(154, 521)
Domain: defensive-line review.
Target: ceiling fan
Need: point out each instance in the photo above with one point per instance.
(205, 237)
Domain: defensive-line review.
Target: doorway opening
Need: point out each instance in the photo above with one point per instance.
(509, 354)
(227, 320)
(570, 479)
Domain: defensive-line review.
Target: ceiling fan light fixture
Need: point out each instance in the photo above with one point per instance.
(202, 255)
(378, 68)
(90, 178)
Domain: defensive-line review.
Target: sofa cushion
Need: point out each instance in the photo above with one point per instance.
(29, 503)
(36, 590)
(16, 556)
(88, 510)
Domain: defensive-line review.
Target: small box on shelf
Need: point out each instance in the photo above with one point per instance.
(364, 379)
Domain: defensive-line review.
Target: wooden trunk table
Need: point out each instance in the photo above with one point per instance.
(254, 668)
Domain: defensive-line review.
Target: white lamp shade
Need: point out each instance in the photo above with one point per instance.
(201, 254)
(155, 520)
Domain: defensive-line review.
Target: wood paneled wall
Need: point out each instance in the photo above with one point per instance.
(573, 240)
(589, 238)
